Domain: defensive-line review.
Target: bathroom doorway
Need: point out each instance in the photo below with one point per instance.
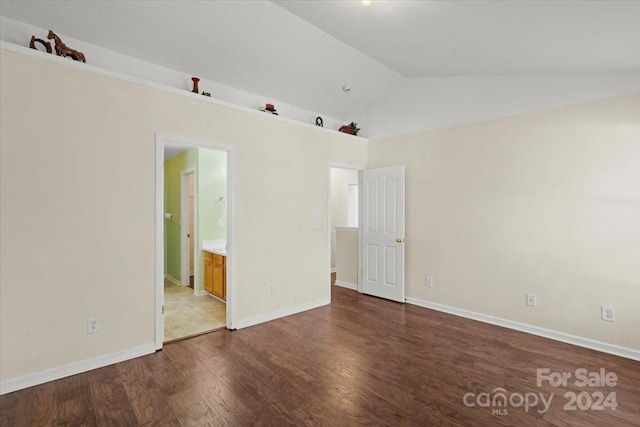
(193, 193)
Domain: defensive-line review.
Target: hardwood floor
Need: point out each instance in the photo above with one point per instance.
(361, 360)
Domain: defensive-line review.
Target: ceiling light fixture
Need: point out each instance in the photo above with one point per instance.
(366, 2)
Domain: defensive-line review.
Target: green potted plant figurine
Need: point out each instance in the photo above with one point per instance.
(352, 128)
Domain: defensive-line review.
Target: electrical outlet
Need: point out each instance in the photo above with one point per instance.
(315, 225)
(272, 290)
(93, 325)
(428, 282)
(220, 222)
(608, 313)
(531, 300)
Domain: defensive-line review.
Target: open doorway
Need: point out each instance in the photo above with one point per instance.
(193, 205)
(344, 216)
(368, 255)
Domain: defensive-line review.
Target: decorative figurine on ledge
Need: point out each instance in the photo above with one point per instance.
(63, 50)
(46, 44)
(269, 108)
(352, 128)
(195, 89)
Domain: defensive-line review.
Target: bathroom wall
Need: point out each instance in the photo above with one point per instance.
(212, 212)
(210, 185)
(172, 198)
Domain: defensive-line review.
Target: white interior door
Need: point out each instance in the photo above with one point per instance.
(383, 232)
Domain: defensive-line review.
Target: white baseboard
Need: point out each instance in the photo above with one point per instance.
(216, 298)
(200, 293)
(628, 353)
(333, 270)
(52, 374)
(173, 280)
(245, 323)
(346, 285)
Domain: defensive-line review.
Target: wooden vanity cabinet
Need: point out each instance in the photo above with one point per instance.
(215, 275)
(208, 272)
(220, 276)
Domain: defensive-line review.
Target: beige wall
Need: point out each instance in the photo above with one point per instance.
(78, 209)
(347, 256)
(339, 179)
(546, 203)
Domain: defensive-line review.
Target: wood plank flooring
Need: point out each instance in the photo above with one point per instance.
(359, 361)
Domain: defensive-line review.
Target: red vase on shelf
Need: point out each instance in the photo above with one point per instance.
(195, 84)
(352, 128)
(347, 129)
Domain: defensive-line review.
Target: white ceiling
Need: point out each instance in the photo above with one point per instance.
(255, 46)
(303, 52)
(436, 38)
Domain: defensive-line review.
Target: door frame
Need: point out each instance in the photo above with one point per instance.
(358, 168)
(184, 226)
(162, 139)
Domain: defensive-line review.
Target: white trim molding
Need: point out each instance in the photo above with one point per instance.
(245, 323)
(346, 228)
(347, 285)
(52, 374)
(616, 350)
(200, 293)
(216, 298)
(173, 280)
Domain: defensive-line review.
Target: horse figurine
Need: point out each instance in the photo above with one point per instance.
(63, 50)
(46, 45)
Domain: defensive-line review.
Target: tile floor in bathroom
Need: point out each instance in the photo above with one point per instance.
(186, 315)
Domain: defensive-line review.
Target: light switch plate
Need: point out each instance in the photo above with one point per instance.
(608, 313)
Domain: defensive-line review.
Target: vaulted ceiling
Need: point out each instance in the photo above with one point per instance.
(303, 52)
(427, 38)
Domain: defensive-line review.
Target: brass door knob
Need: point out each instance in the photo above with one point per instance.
(399, 240)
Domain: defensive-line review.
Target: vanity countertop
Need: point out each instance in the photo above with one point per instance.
(218, 247)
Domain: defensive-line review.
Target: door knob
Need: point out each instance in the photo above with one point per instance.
(399, 240)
